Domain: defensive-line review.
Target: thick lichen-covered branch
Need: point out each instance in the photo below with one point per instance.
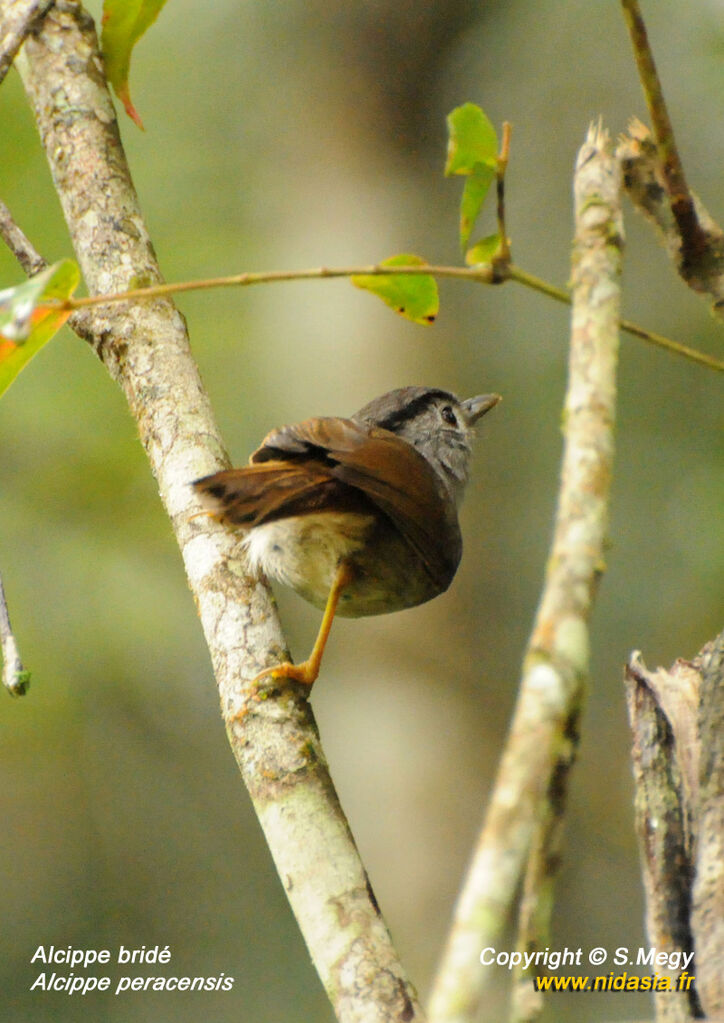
(582, 517)
(527, 803)
(145, 348)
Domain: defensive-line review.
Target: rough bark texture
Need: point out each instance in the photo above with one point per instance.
(707, 911)
(526, 807)
(664, 834)
(145, 348)
(677, 720)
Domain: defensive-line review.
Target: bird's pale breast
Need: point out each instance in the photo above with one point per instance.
(303, 552)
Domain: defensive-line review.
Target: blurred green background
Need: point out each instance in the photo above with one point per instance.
(289, 135)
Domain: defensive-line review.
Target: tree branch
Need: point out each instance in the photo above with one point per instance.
(503, 256)
(693, 240)
(675, 347)
(707, 910)
(677, 721)
(656, 183)
(31, 262)
(145, 348)
(663, 831)
(646, 186)
(82, 321)
(497, 274)
(18, 20)
(14, 675)
(526, 806)
(19, 244)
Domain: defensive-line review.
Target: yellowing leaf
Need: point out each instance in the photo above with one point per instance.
(26, 324)
(483, 251)
(413, 296)
(124, 22)
(471, 140)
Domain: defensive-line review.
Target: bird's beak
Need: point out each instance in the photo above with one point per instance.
(478, 406)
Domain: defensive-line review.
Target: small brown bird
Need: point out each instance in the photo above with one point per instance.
(358, 515)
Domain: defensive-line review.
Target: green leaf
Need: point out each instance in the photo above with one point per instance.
(25, 323)
(124, 22)
(483, 251)
(474, 193)
(411, 295)
(471, 140)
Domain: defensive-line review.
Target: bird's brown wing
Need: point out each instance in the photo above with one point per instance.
(261, 493)
(388, 471)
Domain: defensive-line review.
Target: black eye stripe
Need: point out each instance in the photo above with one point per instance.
(413, 408)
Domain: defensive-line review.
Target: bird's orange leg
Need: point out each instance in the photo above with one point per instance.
(308, 670)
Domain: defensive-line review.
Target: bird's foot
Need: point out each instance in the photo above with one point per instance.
(306, 672)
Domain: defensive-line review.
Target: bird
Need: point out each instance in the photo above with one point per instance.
(359, 515)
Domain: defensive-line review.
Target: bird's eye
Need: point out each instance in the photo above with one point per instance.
(448, 415)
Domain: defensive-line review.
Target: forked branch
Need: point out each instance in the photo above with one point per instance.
(656, 183)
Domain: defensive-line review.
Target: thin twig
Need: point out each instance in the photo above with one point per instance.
(667, 343)
(693, 239)
(529, 792)
(15, 677)
(479, 274)
(19, 19)
(19, 244)
(32, 262)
